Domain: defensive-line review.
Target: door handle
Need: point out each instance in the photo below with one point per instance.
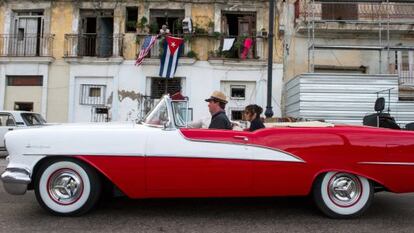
(244, 138)
(10, 129)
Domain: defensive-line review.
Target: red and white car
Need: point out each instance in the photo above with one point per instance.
(341, 166)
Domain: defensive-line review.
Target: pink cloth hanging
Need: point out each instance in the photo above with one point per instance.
(247, 45)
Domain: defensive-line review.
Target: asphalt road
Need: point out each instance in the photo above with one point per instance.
(388, 213)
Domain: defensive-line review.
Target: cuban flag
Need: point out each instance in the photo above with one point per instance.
(169, 59)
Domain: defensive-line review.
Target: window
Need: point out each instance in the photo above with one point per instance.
(92, 94)
(24, 81)
(20, 34)
(342, 11)
(162, 86)
(238, 92)
(23, 106)
(239, 23)
(33, 119)
(131, 19)
(27, 33)
(237, 115)
(97, 38)
(7, 120)
(172, 18)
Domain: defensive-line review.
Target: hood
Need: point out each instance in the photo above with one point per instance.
(77, 139)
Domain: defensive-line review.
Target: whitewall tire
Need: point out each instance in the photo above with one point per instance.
(342, 195)
(67, 187)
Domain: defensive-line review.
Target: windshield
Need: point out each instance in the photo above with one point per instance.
(159, 115)
(33, 119)
(181, 114)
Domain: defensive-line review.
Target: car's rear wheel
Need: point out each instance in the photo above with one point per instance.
(67, 187)
(342, 195)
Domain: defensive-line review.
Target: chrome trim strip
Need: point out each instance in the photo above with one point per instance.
(388, 163)
(244, 144)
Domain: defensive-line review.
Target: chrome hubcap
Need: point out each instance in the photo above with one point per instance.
(65, 186)
(344, 189)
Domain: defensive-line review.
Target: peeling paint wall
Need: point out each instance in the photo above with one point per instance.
(61, 23)
(2, 19)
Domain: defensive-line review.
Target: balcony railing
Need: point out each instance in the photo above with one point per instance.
(337, 11)
(406, 77)
(256, 51)
(93, 45)
(156, 50)
(213, 47)
(26, 45)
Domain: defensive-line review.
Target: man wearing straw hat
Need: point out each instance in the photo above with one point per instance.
(216, 105)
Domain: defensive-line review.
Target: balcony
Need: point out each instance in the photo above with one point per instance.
(208, 47)
(397, 12)
(355, 16)
(257, 50)
(26, 45)
(93, 45)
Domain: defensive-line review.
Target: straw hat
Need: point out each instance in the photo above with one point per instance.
(218, 96)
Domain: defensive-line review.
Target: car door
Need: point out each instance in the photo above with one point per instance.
(7, 123)
(198, 163)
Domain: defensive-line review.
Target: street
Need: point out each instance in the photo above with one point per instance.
(388, 213)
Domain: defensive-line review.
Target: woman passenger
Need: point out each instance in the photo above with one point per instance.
(252, 113)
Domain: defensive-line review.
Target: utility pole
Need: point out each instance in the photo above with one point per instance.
(269, 110)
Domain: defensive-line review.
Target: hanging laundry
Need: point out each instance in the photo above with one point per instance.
(228, 43)
(248, 42)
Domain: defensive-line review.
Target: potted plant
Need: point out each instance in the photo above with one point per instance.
(192, 54)
(142, 24)
(210, 26)
(154, 28)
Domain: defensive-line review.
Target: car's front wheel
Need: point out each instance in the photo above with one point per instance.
(67, 187)
(342, 195)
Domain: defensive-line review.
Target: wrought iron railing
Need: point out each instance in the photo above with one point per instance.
(237, 51)
(93, 45)
(406, 77)
(26, 45)
(376, 11)
(215, 49)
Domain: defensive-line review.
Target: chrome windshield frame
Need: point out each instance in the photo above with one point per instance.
(170, 124)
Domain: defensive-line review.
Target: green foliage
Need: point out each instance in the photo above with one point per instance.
(154, 28)
(187, 37)
(210, 24)
(199, 30)
(142, 23)
(192, 54)
(131, 24)
(217, 35)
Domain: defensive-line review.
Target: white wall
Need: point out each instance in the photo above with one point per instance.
(200, 80)
(24, 69)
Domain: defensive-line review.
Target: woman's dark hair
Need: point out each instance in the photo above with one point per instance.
(254, 108)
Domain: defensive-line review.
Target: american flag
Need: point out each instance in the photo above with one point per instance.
(149, 41)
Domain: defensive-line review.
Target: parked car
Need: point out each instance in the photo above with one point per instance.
(11, 120)
(341, 166)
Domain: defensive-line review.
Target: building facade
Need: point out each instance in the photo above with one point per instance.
(339, 56)
(73, 61)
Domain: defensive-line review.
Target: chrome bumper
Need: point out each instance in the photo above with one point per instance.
(15, 180)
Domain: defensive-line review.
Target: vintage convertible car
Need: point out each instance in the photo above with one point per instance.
(341, 166)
